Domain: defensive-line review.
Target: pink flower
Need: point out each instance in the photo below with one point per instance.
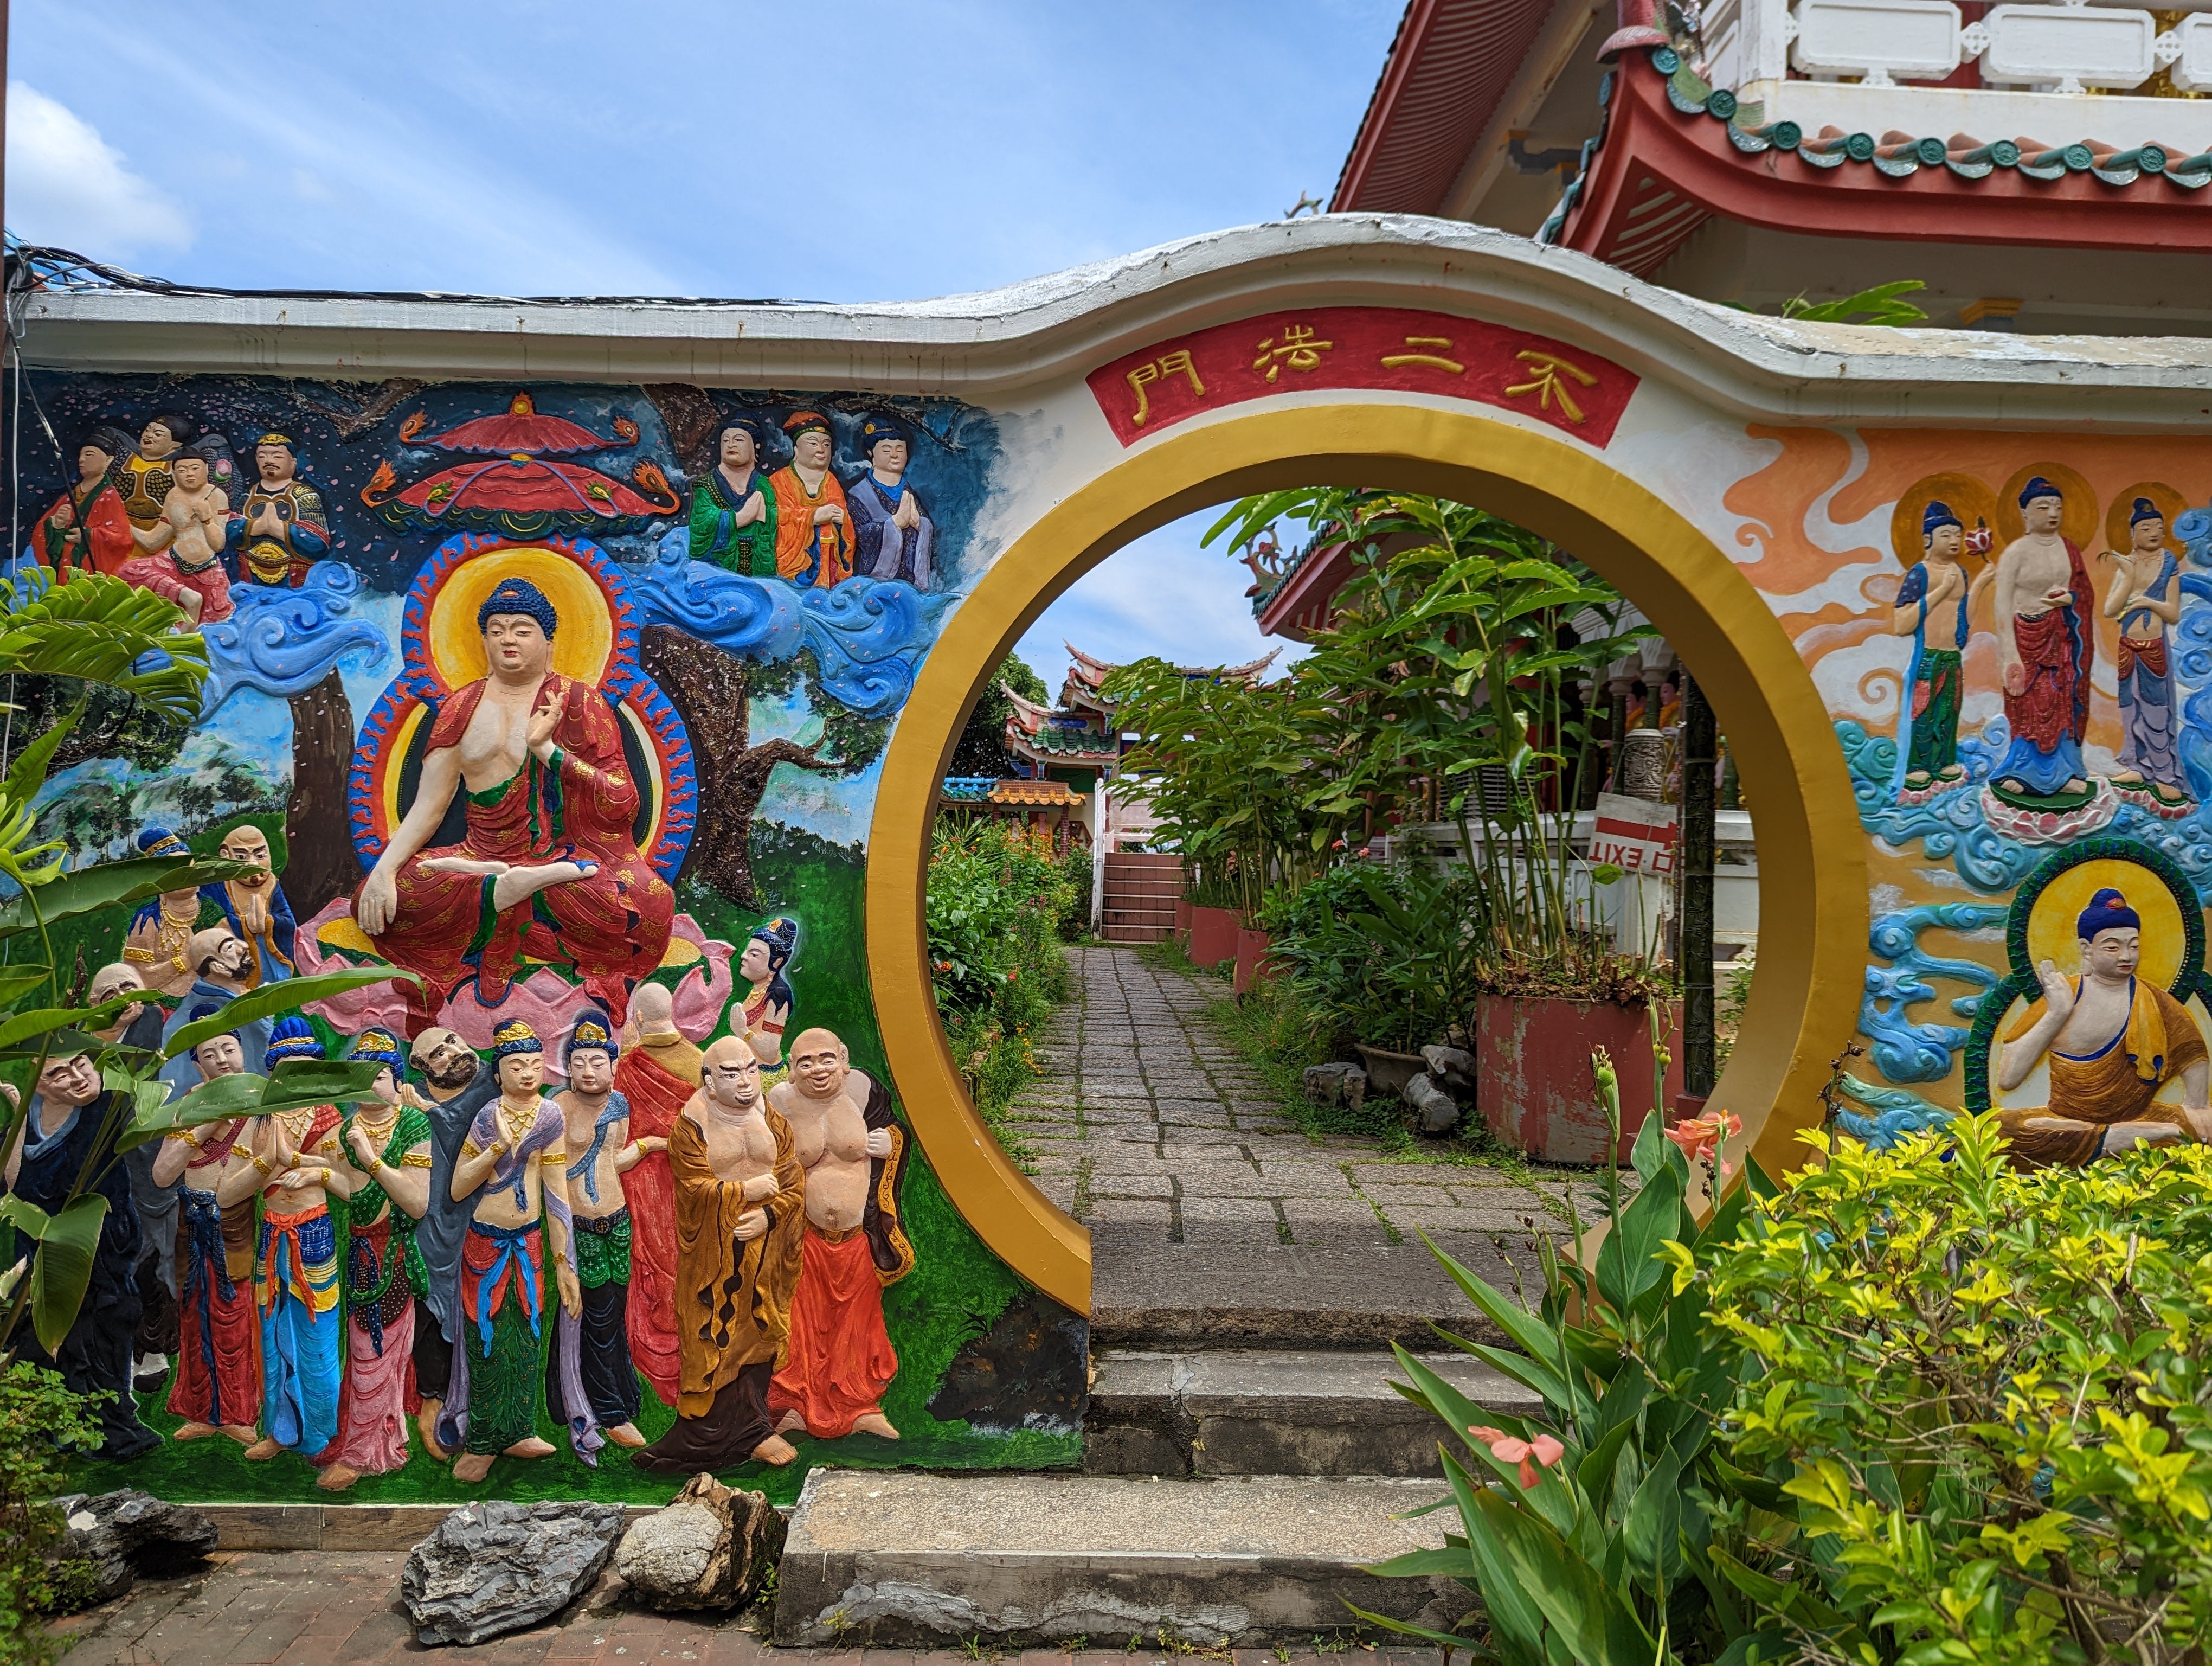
(1509, 1449)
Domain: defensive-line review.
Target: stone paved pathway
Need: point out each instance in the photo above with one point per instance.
(1150, 1125)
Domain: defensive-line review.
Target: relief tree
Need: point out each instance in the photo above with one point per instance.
(715, 692)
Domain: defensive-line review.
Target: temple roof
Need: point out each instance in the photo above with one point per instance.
(1673, 151)
(1039, 794)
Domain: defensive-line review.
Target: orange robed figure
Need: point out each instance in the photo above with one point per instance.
(549, 864)
(813, 526)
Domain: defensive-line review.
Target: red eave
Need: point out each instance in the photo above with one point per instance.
(1449, 65)
(1301, 603)
(1661, 172)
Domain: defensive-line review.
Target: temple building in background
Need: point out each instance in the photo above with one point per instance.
(1752, 152)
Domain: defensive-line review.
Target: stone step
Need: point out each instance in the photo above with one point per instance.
(1114, 932)
(1278, 1412)
(1149, 1294)
(897, 1558)
(1122, 914)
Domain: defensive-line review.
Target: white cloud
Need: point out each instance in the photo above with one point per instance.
(69, 187)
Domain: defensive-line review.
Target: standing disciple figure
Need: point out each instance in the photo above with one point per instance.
(456, 1087)
(222, 970)
(255, 907)
(87, 530)
(218, 1383)
(657, 1076)
(732, 507)
(2044, 646)
(388, 1142)
(279, 530)
(598, 1121)
(180, 560)
(140, 1026)
(514, 1166)
(892, 533)
(293, 1159)
(63, 1139)
(2145, 597)
(813, 525)
(161, 930)
(549, 861)
(764, 965)
(841, 1358)
(2113, 1040)
(1931, 609)
(740, 1208)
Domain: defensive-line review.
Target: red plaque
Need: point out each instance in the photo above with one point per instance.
(1387, 347)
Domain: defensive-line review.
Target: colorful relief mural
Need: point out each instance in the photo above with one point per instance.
(2014, 639)
(569, 702)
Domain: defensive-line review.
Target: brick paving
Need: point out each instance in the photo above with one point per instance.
(341, 1609)
(1150, 1123)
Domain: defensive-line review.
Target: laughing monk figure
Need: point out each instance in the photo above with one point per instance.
(841, 1358)
(740, 1204)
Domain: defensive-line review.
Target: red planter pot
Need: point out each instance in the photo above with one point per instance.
(1182, 923)
(1212, 936)
(1253, 964)
(1533, 1082)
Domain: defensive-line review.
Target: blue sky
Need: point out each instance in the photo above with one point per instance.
(689, 148)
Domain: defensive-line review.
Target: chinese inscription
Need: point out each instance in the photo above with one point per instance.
(1177, 363)
(1545, 370)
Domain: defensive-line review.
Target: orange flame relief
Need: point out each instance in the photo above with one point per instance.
(654, 484)
(381, 483)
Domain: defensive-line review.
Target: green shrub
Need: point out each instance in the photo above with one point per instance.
(1384, 956)
(38, 1418)
(998, 904)
(1991, 1397)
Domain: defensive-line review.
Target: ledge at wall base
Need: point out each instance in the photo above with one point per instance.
(333, 1526)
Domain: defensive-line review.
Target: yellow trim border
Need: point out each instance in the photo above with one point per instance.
(1811, 855)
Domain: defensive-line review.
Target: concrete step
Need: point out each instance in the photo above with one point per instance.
(1150, 1294)
(1122, 914)
(1280, 1412)
(896, 1558)
(1114, 932)
(1155, 858)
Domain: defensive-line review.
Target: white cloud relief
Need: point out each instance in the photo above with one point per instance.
(69, 187)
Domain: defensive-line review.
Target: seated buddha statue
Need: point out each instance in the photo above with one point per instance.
(549, 864)
(2113, 1040)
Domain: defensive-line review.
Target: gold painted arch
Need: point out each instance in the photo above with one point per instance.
(1813, 869)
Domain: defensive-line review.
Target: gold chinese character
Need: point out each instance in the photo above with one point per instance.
(1299, 349)
(1177, 363)
(1434, 361)
(1545, 383)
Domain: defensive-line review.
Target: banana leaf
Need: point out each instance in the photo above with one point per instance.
(61, 1267)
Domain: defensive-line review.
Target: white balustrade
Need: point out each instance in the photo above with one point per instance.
(2065, 48)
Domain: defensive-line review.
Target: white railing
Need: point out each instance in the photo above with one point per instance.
(2065, 48)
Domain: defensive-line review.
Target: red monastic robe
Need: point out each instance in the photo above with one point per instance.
(612, 925)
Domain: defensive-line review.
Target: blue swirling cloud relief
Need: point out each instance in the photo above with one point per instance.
(867, 635)
(282, 641)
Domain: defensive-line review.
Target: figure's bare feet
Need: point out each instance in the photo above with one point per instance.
(793, 1424)
(532, 1448)
(262, 1450)
(2077, 785)
(2014, 786)
(241, 1432)
(776, 1450)
(2128, 778)
(626, 1434)
(875, 1423)
(336, 1477)
(472, 1466)
(1917, 780)
(194, 1431)
(516, 884)
(463, 865)
(426, 1424)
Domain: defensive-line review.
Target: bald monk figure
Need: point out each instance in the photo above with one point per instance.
(840, 1361)
(740, 1207)
(658, 1073)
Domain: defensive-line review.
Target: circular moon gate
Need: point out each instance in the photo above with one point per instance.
(1812, 852)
